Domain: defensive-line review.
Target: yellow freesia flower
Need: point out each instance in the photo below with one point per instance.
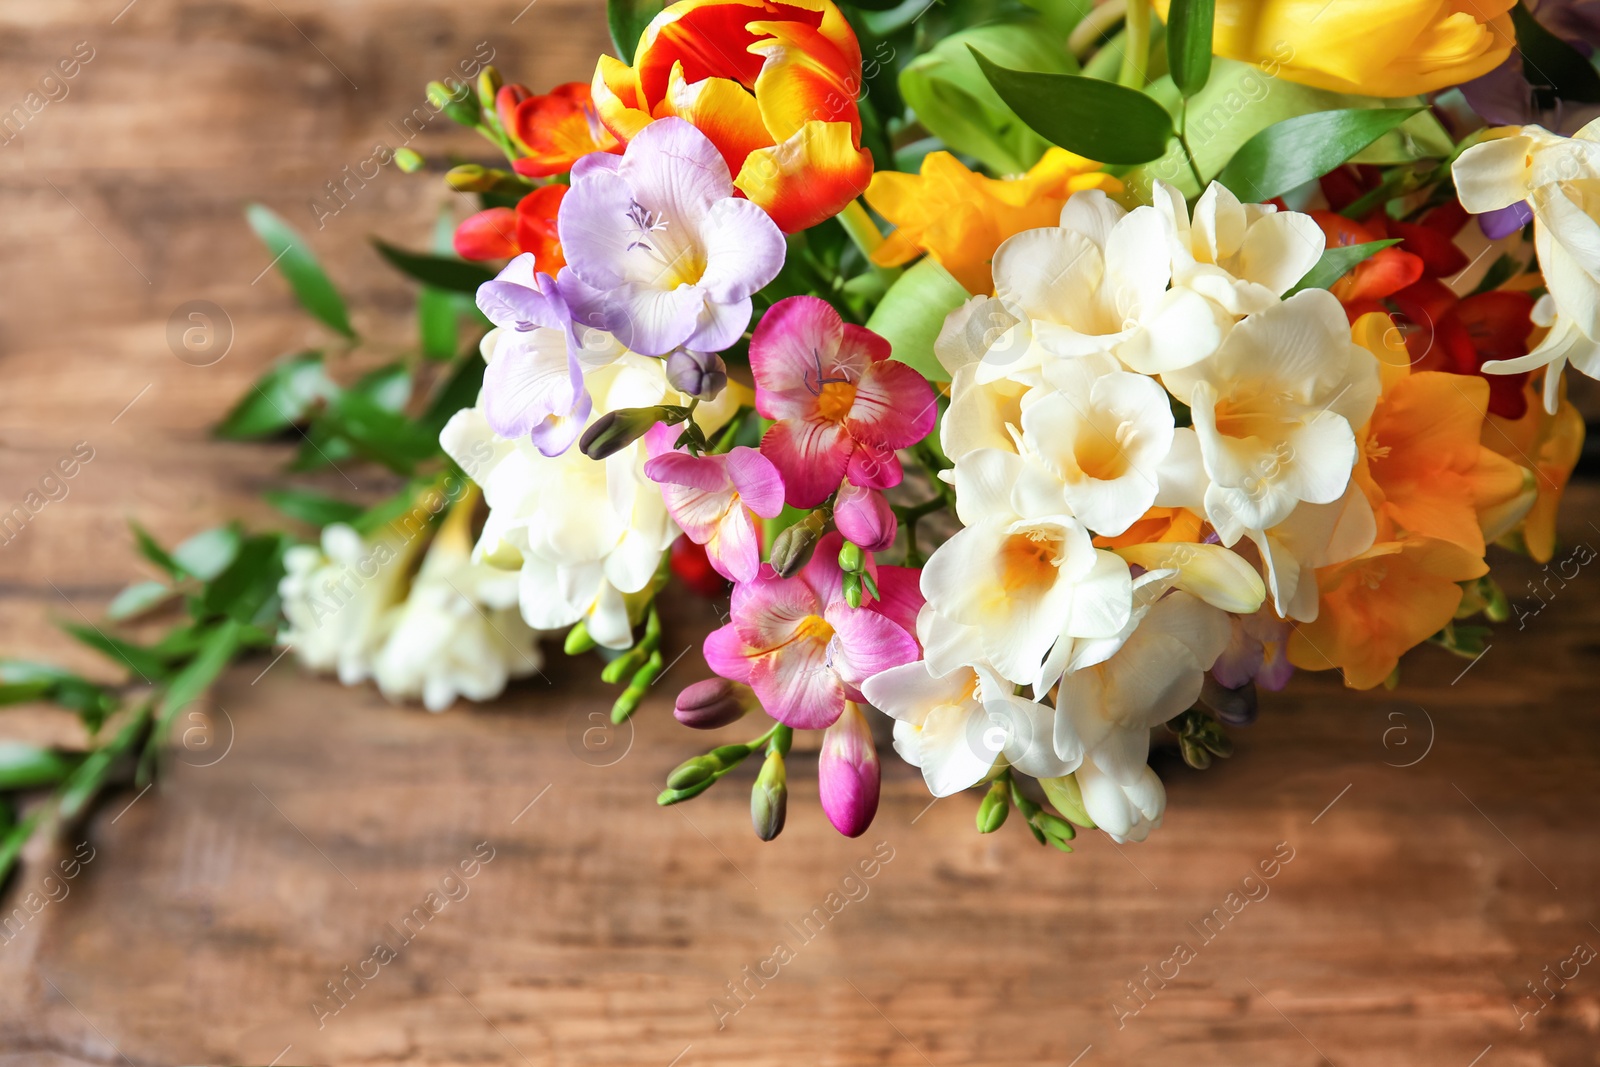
(960, 218)
(1370, 47)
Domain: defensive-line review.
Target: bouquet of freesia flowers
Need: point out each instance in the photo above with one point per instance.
(1037, 374)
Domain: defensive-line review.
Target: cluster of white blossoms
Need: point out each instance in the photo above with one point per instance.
(361, 608)
(1080, 605)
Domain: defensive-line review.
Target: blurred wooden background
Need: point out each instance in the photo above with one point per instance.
(1443, 835)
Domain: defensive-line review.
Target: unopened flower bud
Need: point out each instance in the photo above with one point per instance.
(769, 798)
(1067, 797)
(791, 549)
(698, 374)
(1236, 707)
(850, 558)
(852, 588)
(691, 772)
(408, 161)
(995, 807)
(455, 101)
(489, 83)
(505, 104)
(472, 178)
(848, 773)
(714, 703)
(865, 518)
(616, 430)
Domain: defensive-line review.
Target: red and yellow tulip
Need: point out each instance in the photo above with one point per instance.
(772, 83)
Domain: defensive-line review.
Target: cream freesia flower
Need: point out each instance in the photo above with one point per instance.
(338, 598)
(458, 633)
(1242, 256)
(1559, 177)
(957, 727)
(1275, 410)
(585, 534)
(1094, 438)
(1017, 579)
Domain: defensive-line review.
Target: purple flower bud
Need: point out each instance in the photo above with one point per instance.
(865, 518)
(697, 374)
(714, 703)
(847, 773)
(1505, 221)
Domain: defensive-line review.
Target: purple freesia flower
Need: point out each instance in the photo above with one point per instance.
(1506, 97)
(534, 385)
(660, 252)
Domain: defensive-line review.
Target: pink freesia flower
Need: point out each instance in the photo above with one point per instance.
(865, 518)
(842, 406)
(713, 499)
(848, 775)
(803, 649)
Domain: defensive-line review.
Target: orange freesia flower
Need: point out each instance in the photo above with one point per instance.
(1375, 607)
(1551, 443)
(1431, 484)
(959, 218)
(1158, 525)
(501, 233)
(772, 83)
(555, 130)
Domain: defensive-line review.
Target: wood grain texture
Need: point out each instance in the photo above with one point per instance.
(1419, 902)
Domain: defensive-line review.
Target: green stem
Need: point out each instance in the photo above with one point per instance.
(1136, 54)
(864, 232)
(1188, 153)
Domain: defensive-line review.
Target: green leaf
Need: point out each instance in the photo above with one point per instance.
(24, 766)
(460, 391)
(953, 100)
(250, 582)
(314, 509)
(151, 550)
(21, 680)
(389, 387)
(380, 434)
(913, 312)
(208, 553)
(305, 275)
(441, 273)
(1338, 261)
(1555, 69)
(627, 20)
(214, 655)
(1189, 44)
(1288, 154)
(139, 598)
(136, 658)
(1096, 119)
(283, 397)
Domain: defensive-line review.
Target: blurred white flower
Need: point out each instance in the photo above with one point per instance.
(458, 633)
(337, 599)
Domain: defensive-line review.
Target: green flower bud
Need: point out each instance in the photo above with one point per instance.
(691, 772)
(456, 102)
(852, 589)
(769, 798)
(408, 161)
(578, 640)
(472, 178)
(850, 558)
(1067, 797)
(616, 430)
(1195, 754)
(489, 83)
(791, 549)
(995, 807)
(1054, 827)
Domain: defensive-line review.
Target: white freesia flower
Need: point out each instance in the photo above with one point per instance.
(585, 534)
(1100, 434)
(338, 599)
(957, 726)
(1108, 709)
(1017, 579)
(1127, 811)
(1314, 535)
(1275, 410)
(1559, 177)
(459, 633)
(1242, 256)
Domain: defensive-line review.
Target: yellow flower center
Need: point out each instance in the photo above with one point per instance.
(835, 400)
(1101, 455)
(1028, 561)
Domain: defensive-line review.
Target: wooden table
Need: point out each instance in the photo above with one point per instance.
(1442, 836)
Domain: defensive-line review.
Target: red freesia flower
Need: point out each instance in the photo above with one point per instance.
(555, 130)
(503, 233)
